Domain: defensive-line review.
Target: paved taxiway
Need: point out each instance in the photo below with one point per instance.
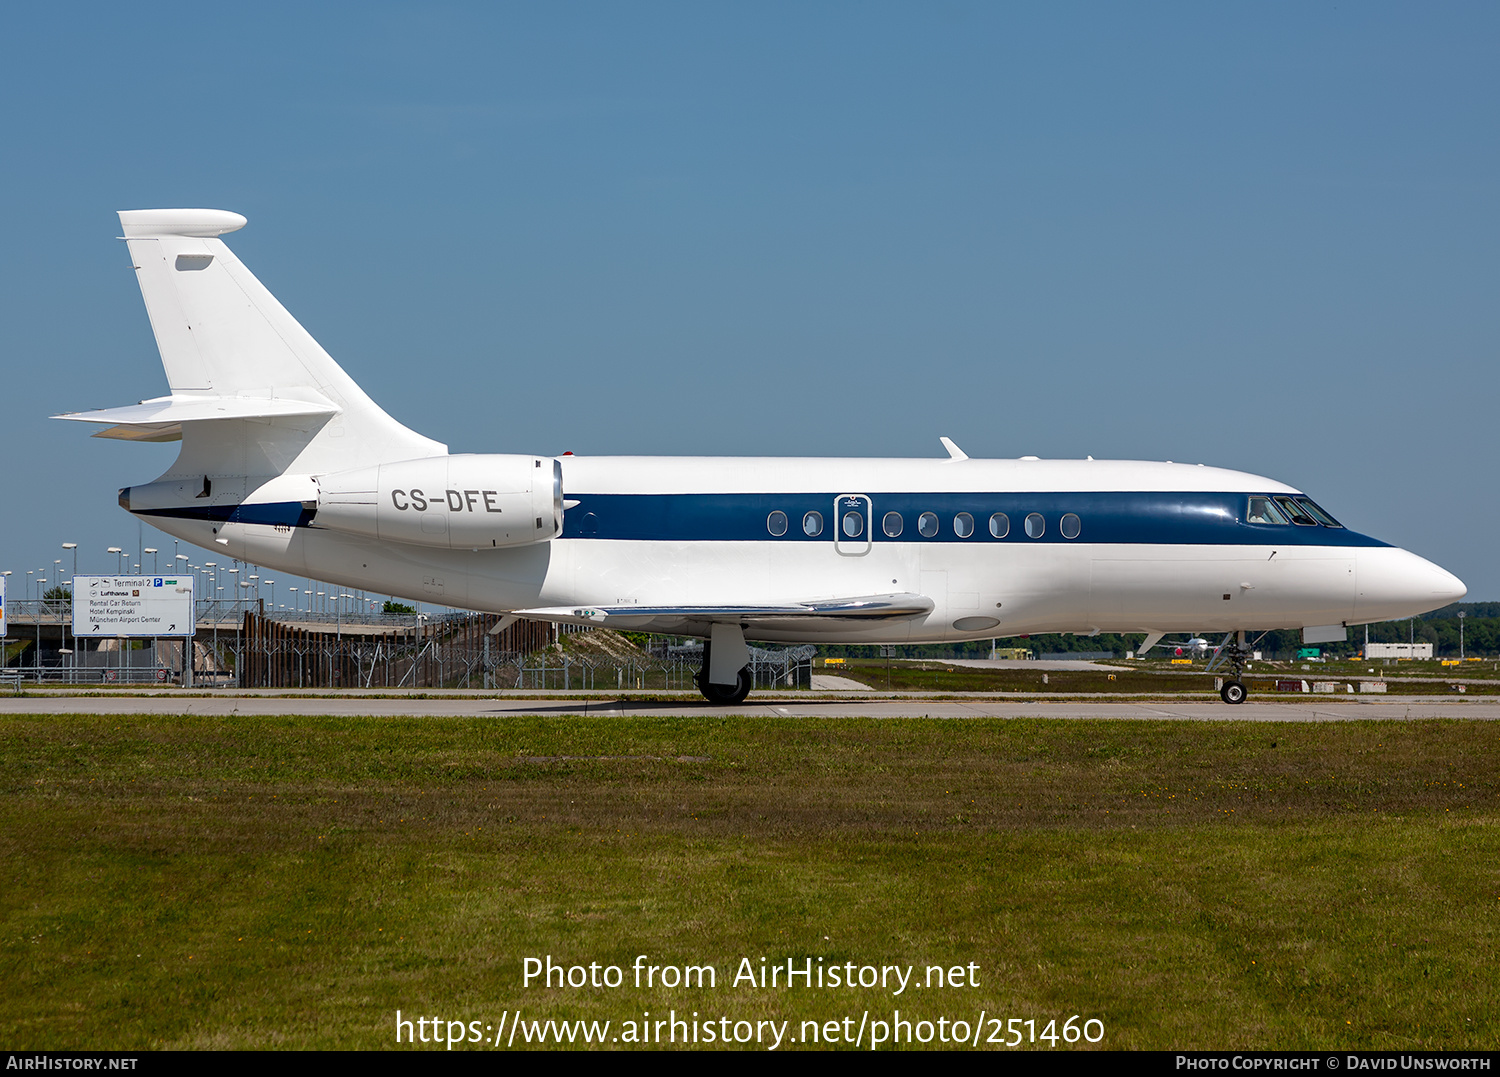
(1394, 708)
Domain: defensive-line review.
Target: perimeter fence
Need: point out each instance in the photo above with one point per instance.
(239, 646)
(475, 651)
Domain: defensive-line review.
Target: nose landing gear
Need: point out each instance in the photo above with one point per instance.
(1234, 651)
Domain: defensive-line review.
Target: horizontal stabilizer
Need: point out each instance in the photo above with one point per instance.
(161, 418)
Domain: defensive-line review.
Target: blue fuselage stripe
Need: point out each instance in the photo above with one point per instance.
(1168, 517)
(281, 513)
(1161, 518)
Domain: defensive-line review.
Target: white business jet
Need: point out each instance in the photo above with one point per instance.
(285, 462)
(1188, 648)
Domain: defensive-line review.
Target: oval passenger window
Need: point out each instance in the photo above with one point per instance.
(999, 525)
(893, 525)
(854, 524)
(776, 523)
(812, 524)
(1036, 527)
(963, 525)
(927, 524)
(1070, 525)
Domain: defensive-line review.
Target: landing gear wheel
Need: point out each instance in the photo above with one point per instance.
(1233, 692)
(724, 695)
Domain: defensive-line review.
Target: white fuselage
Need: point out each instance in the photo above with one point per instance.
(1157, 547)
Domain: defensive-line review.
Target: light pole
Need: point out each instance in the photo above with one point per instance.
(74, 547)
(4, 647)
(1460, 635)
(41, 582)
(155, 645)
(213, 599)
(62, 614)
(117, 552)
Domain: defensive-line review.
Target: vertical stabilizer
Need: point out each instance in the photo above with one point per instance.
(222, 334)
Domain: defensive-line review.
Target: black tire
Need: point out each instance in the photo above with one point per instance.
(1233, 692)
(723, 695)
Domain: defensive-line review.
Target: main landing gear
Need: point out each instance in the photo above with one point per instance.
(725, 679)
(724, 695)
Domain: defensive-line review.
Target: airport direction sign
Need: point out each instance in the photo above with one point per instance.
(133, 606)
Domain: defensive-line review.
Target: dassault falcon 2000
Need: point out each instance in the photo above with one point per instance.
(285, 462)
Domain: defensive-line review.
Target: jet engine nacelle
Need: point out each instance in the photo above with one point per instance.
(454, 502)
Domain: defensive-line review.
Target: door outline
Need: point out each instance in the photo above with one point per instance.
(859, 545)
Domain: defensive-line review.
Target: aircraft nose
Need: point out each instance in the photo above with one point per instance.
(1395, 583)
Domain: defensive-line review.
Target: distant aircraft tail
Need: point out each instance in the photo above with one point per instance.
(252, 393)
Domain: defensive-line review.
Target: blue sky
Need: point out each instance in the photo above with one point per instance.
(1258, 236)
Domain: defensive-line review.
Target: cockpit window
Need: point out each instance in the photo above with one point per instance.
(1263, 511)
(1317, 513)
(1299, 516)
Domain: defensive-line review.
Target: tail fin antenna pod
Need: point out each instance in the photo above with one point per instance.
(223, 335)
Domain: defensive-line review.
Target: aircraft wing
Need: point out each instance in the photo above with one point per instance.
(862, 608)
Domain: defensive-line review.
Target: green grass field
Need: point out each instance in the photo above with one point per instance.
(276, 882)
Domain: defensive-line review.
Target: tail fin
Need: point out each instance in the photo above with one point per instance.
(224, 338)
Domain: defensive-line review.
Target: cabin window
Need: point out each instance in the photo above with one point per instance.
(812, 524)
(1070, 525)
(854, 524)
(927, 524)
(963, 525)
(1263, 510)
(893, 525)
(999, 525)
(776, 523)
(1036, 527)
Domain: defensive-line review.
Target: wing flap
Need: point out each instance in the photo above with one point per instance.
(862, 608)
